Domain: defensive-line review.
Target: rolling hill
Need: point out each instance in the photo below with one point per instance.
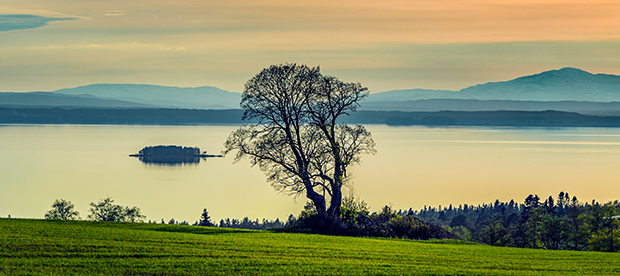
(54, 247)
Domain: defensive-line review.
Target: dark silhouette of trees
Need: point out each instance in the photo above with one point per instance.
(247, 223)
(105, 210)
(298, 141)
(169, 151)
(132, 214)
(62, 209)
(171, 155)
(561, 223)
(205, 219)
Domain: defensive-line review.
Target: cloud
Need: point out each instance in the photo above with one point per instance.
(118, 46)
(115, 13)
(11, 22)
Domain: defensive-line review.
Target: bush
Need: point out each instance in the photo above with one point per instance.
(355, 221)
(351, 209)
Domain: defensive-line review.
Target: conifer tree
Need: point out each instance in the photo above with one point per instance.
(205, 219)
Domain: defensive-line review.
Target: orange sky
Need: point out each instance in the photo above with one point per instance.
(386, 45)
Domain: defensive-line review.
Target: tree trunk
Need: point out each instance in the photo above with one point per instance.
(317, 199)
(335, 203)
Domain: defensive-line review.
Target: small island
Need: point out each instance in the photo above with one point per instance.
(171, 155)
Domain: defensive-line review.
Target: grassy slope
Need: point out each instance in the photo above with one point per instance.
(87, 248)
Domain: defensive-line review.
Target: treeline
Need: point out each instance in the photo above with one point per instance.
(170, 150)
(547, 118)
(106, 210)
(555, 223)
(170, 155)
(169, 116)
(561, 223)
(245, 223)
(355, 220)
(119, 116)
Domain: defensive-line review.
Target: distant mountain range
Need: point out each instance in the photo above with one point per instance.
(127, 96)
(566, 89)
(51, 99)
(204, 97)
(566, 84)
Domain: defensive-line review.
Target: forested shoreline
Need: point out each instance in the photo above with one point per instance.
(120, 116)
(170, 116)
(561, 223)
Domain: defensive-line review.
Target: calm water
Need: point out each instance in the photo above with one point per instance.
(414, 166)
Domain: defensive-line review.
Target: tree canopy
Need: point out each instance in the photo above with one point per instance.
(62, 209)
(106, 210)
(298, 141)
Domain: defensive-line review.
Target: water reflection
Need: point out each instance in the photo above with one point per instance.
(170, 160)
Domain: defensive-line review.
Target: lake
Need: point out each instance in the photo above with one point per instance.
(413, 167)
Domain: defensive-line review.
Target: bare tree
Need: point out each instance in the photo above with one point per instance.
(333, 99)
(298, 142)
(62, 209)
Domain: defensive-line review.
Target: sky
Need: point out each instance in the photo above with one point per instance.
(385, 45)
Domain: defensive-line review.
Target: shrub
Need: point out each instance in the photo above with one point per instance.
(355, 221)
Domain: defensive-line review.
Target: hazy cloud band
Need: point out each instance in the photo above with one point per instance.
(11, 22)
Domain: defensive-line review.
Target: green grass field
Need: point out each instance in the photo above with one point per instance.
(44, 247)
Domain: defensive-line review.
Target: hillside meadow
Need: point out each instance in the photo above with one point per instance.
(53, 247)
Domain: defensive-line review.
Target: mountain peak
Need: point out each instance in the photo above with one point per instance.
(567, 83)
(564, 75)
(571, 70)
